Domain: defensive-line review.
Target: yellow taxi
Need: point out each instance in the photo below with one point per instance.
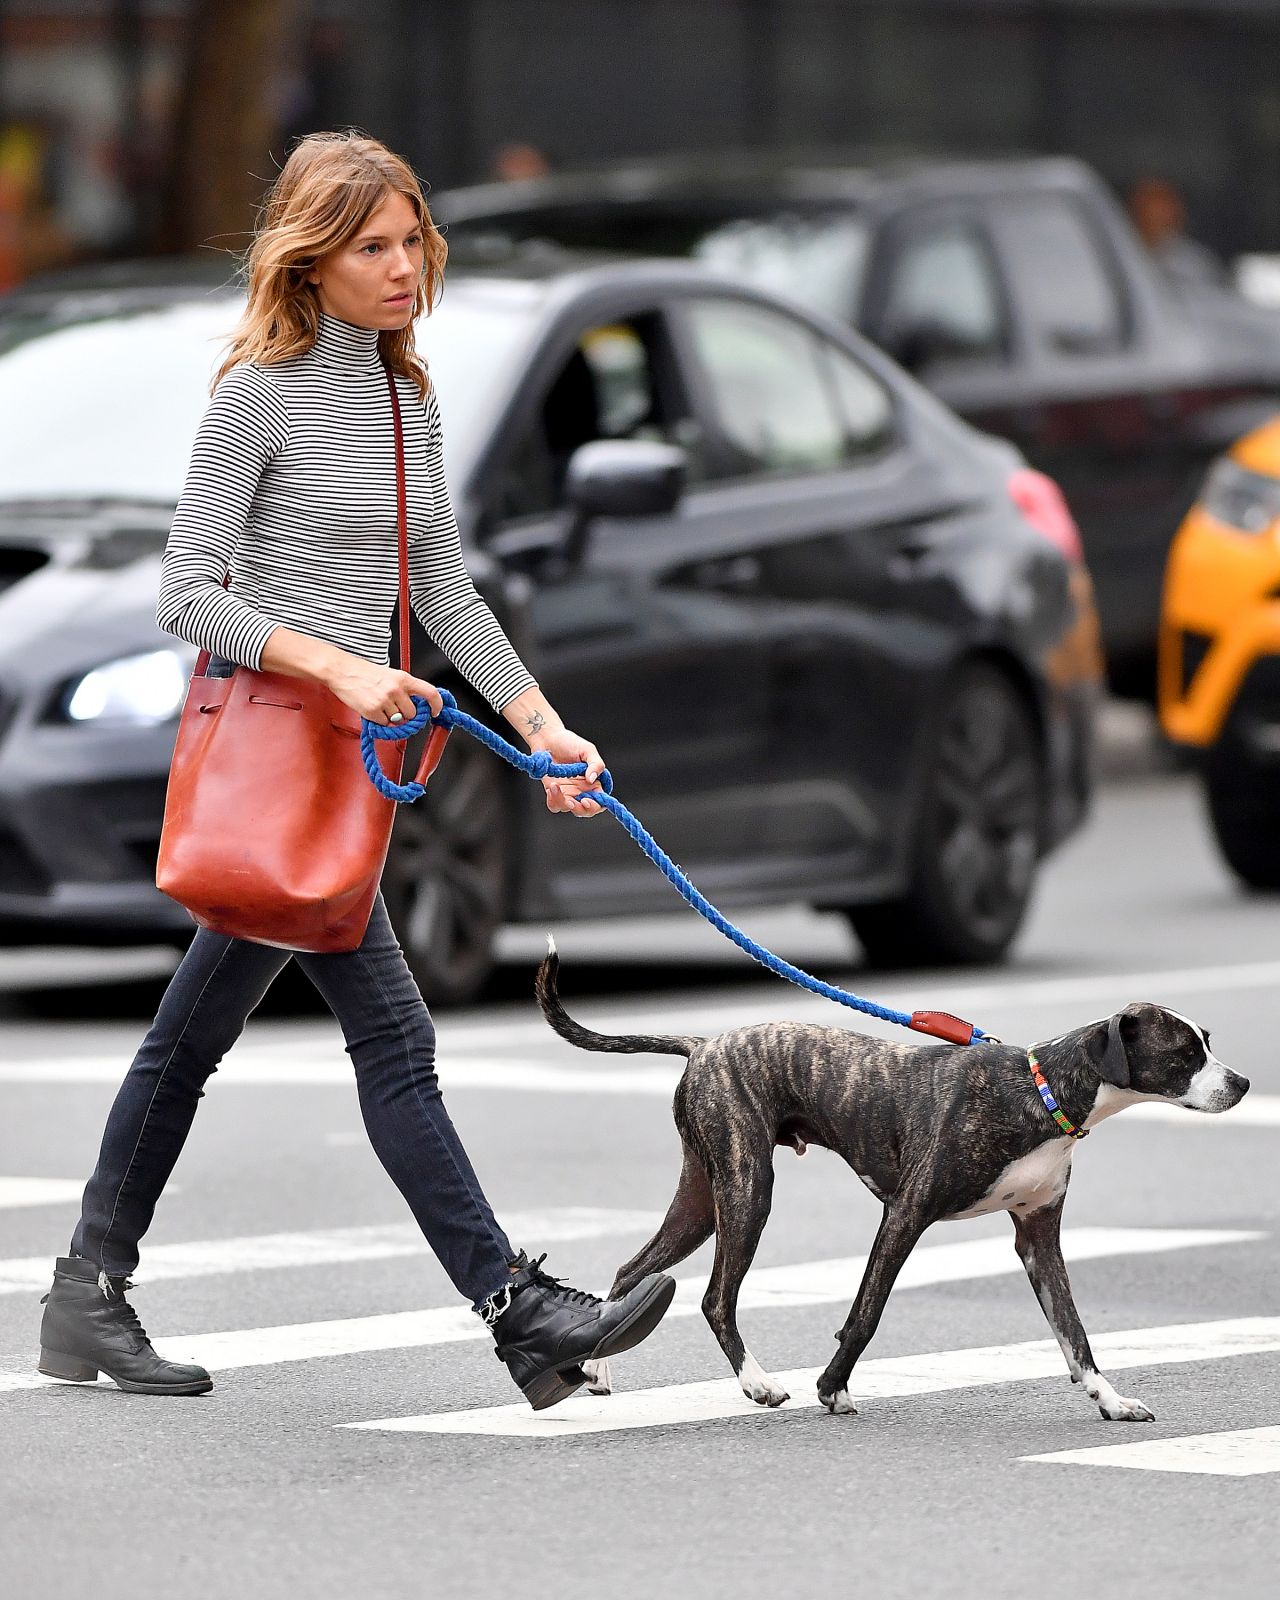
(1219, 650)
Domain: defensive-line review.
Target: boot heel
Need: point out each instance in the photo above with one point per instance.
(552, 1386)
(55, 1365)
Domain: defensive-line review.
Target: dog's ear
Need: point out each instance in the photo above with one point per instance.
(1108, 1053)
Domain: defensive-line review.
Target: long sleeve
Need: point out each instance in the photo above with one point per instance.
(445, 599)
(244, 425)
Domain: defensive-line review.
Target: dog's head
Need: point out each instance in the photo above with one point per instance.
(1152, 1052)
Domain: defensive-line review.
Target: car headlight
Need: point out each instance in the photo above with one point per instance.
(134, 691)
(1249, 501)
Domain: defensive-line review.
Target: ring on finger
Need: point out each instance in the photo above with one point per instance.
(396, 716)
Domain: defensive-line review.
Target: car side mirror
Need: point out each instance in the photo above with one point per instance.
(621, 478)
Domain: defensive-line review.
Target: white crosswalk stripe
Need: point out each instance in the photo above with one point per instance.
(799, 1284)
(1238, 1453)
(41, 1191)
(893, 1377)
(281, 1067)
(204, 1258)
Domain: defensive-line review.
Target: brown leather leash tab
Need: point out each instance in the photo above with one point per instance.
(942, 1025)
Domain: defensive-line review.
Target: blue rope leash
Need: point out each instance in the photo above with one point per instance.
(540, 765)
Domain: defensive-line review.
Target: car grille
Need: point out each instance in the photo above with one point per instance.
(1195, 647)
(1260, 692)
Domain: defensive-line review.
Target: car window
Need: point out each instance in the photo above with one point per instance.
(819, 259)
(618, 382)
(770, 387)
(864, 404)
(942, 301)
(1067, 294)
(124, 427)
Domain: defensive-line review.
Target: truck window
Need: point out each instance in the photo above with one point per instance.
(942, 302)
(1065, 290)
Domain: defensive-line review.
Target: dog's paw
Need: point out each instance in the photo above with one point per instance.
(839, 1403)
(766, 1394)
(1115, 1408)
(599, 1379)
(757, 1385)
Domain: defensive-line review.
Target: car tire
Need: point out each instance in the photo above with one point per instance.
(448, 872)
(978, 834)
(1242, 796)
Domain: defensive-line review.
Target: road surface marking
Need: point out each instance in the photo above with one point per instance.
(39, 1191)
(725, 1008)
(203, 1258)
(800, 1284)
(1237, 1454)
(459, 1073)
(894, 1377)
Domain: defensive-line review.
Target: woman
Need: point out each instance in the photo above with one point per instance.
(291, 486)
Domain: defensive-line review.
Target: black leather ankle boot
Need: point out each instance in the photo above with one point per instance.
(542, 1328)
(89, 1326)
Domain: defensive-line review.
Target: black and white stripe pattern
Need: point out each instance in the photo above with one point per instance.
(292, 486)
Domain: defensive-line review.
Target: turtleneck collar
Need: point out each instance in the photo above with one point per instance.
(345, 344)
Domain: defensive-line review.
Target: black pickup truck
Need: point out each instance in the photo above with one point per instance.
(1016, 289)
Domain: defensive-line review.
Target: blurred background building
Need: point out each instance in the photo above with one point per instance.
(132, 126)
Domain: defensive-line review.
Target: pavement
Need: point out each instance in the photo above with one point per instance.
(361, 1437)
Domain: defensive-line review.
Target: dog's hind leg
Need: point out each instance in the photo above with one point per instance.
(1037, 1237)
(900, 1228)
(689, 1221)
(742, 1199)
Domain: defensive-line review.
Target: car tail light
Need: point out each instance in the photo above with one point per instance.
(1041, 502)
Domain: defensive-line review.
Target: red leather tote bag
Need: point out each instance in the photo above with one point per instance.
(272, 830)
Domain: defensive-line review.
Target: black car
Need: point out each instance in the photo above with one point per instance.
(834, 644)
(1017, 290)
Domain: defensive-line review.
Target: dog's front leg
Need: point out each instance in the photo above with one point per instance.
(900, 1228)
(1038, 1241)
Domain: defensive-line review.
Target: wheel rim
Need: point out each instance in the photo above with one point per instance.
(446, 874)
(986, 784)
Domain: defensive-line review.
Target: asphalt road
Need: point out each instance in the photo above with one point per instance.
(370, 1444)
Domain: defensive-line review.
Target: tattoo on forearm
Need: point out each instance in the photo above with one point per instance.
(536, 722)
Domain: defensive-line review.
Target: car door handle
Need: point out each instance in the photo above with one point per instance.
(736, 574)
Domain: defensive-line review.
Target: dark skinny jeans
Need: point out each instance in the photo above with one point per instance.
(391, 1042)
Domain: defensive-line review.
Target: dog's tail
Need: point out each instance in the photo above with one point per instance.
(625, 1043)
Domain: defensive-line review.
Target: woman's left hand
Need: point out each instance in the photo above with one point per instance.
(563, 748)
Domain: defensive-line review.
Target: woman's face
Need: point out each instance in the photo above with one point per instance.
(372, 280)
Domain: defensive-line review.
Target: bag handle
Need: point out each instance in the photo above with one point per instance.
(402, 533)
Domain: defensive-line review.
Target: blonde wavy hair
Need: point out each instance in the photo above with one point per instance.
(324, 194)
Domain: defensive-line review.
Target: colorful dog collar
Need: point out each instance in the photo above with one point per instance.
(1051, 1105)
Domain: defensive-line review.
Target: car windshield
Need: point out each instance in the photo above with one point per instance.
(817, 256)
(105, 406)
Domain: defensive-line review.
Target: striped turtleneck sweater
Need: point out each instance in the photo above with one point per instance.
(292, 488)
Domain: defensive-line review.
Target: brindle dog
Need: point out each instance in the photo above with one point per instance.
(935, 1133)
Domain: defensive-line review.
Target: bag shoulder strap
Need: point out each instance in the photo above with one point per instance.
(402, 534)
(402, 521)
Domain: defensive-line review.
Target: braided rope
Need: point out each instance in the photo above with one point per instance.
(540, 765)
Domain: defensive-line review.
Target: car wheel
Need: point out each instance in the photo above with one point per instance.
(978, 835)
(1242, 794)
(447, 873)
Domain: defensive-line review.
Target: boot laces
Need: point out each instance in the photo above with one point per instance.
(563, 1290)
(122, 1312)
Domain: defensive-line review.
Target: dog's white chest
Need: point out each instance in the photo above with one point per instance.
(1028, 1183)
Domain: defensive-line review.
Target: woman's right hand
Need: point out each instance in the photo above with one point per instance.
(375, 692)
